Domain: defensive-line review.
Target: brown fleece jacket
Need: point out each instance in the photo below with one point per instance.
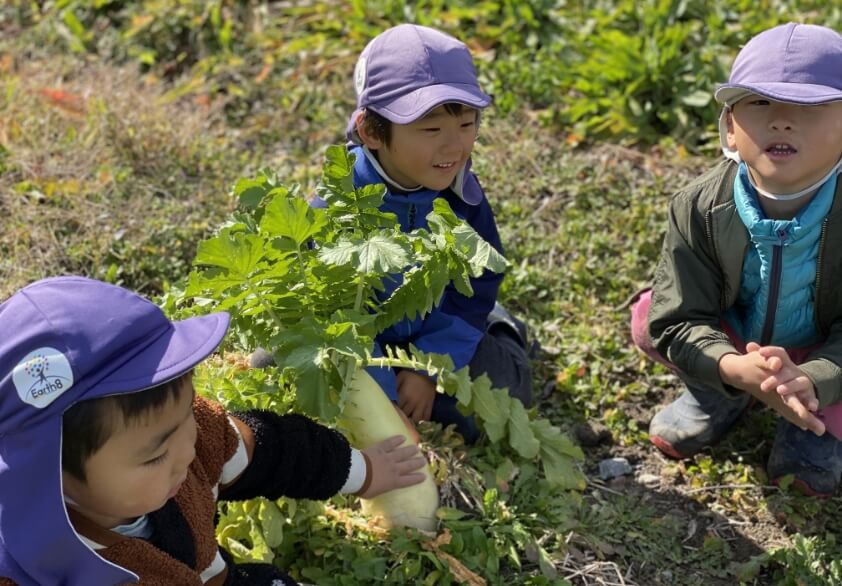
(216, 443)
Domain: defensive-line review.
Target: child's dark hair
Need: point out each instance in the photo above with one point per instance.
(381, 128)
(87, 425)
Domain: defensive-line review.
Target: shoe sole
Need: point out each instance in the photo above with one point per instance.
(666, 447)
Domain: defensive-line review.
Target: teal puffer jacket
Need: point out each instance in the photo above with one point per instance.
(775, 303)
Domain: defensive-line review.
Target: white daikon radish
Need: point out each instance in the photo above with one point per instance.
(369, 417)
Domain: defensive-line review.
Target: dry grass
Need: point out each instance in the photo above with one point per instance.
(94, 165)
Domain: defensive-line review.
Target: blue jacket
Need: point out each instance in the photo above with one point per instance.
(775, 304)
(456, 326)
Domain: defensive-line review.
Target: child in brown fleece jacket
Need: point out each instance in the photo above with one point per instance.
(111, 467)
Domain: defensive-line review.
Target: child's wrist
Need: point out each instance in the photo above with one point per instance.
(726, 368)
(369, 474)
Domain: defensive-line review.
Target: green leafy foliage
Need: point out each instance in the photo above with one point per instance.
(811, 561)
(125, 192)
(500, 519)
(627, 70)
(303, 281)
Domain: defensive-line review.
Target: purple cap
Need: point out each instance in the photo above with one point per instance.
(794, 63)
(65, 340)
(407, 70)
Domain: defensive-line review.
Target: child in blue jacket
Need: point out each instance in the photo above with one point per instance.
(418, 107)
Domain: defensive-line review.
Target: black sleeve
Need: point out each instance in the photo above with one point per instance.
(293, 457)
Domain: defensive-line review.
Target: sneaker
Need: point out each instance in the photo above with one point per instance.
(698, 418)
(815, 461)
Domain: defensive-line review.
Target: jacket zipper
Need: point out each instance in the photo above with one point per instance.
(819, 277)
(411, 217)
(774, 289)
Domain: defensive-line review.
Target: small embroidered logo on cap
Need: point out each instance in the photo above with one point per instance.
(359, 75)
(42, 376)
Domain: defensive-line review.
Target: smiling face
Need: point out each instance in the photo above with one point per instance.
(141, 465)
(787, 147)
(428, 152)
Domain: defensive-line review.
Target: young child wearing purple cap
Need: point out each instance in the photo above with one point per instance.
(745, 301)
(418, 110)
(111, 466)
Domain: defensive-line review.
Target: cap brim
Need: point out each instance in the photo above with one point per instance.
(175, 351)
(31, 499)
(36, 532)
(414, 105)
(792, 93)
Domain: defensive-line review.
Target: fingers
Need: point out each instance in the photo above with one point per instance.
(390, 443)
(793, 403)
(428, 410)
(419, 409)
(752, 347)
(394, 449)
(404, 453)
(417, 413)
(409, 404)
(409, 479)
(805, 420)
(393, 466)
(768, 351)
(816, 425)
(799, 384)
(408, 467)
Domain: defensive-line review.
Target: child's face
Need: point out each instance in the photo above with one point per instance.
(787, 147)
(429, 151)
(140, 467)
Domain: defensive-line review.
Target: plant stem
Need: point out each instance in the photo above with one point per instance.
(358, 301)
(303, 274)
(393, 362)
(263, 304)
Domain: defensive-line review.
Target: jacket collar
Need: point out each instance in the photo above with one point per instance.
(369, 171)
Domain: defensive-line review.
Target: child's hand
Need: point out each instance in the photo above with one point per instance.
(788, 379)
(416, 394)
(744, 371)
(391, 466)
(749, 371)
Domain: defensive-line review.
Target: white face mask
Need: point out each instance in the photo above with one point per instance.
(792, 196)
(735, 156)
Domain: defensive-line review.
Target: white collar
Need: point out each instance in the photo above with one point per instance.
(456, 186)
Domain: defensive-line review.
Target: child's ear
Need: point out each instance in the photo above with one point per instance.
(729, 126)
(372, 142)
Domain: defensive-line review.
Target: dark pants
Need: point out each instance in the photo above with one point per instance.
(505, 361)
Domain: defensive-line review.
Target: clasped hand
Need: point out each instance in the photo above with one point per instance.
(770, 375)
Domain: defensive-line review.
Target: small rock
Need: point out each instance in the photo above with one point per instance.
(649, 480)
(667, 576)
(614, 467)
(591, 434)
